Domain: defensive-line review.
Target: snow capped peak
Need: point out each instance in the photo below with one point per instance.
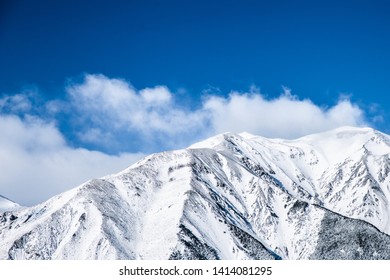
(338, 144)
(210, 142)
(328, 144)
(247, 135)
(232, 196)
(342, 132)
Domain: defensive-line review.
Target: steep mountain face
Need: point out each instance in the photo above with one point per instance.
(234, 196)
(6, 204)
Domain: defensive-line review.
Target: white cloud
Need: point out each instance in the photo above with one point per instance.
(36, 163)
(156, 96)
(16, 103)
(112, 106)
(285, 116)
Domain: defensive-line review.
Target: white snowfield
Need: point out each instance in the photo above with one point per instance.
(6, 204)
(233, 196)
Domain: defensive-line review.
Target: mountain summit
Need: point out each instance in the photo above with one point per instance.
(233, 196)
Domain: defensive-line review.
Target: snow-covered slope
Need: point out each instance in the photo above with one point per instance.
(233, 196)
(6, 204)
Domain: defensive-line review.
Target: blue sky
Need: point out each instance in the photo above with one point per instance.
(87, 87)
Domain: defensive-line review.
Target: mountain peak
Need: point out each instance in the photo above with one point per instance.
(232, 196)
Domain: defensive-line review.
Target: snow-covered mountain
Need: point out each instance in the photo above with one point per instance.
(7, 204)
(233, 196)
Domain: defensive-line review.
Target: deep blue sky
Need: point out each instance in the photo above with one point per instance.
(319, 49)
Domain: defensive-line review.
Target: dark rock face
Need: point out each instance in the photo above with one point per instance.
(251, 246)
(342, 238)
(192, 248)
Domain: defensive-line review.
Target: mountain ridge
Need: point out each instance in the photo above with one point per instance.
(7, 204)
(232, 196)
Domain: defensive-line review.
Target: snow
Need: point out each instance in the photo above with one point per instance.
(6, 204)
(156, 239)
(336, 145)
(233, 196)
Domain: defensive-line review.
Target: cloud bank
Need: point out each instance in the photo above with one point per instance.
(110, 108)
(36, 163)
(109, 124)
(285, 116)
